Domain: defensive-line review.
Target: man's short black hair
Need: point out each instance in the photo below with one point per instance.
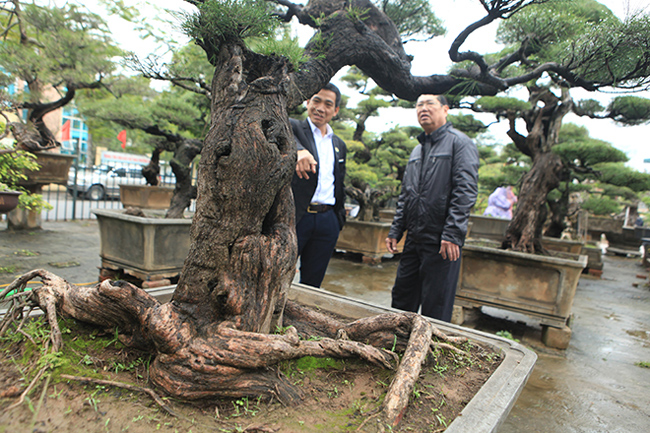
(332, 88)
(443, 100)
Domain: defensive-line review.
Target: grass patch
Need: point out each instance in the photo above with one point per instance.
(26, 253)
(83, 352)
(508, 335)
(642, 364)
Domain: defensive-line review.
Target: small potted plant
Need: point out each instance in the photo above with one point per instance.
(8, 198)
(24, 206)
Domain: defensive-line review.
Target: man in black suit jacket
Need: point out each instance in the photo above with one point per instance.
(317, 185)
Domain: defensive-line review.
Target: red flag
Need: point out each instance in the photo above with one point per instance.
(122, 137)
(65, 131)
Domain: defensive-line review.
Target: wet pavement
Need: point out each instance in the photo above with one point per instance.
(596, 385)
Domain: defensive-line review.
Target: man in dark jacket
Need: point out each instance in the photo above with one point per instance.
(317, 185)
(438, 190)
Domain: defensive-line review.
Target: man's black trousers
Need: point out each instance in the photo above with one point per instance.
(317, 235)
(425, 280)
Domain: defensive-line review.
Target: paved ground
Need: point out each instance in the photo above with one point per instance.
(68, 249)
(594, 386)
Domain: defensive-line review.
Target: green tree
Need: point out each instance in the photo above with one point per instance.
(54, 52)
(575, 44)
(581, 155)
(171, 121)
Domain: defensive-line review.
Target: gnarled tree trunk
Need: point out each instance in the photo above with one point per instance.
(543, 123)
(213, 338)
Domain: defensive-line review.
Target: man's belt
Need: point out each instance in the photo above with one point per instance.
(318, 208)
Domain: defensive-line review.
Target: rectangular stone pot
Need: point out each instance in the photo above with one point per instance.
(542, 287)
(562, 245)
(623, 240)
(602, 224)
(594, 257)
(367, 238)
(148, 247)
(487, 227)
(487, 410)
(54, 169)
(146, 196)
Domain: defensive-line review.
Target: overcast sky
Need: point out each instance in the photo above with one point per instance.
(431, 57)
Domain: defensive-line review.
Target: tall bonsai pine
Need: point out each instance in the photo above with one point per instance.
(213, 337)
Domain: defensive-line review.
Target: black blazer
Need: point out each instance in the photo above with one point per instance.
(303, 190)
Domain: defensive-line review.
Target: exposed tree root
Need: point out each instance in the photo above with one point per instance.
(397, 396)
(223, 361)
(29, 388)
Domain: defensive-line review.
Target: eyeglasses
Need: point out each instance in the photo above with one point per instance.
(428, 104)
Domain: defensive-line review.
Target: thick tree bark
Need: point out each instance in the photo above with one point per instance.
(152, 170)
(368, 200)
(524, 232)
(181, 165)
(213, 338)
(243, 252)
(559, 212)
(543, 123)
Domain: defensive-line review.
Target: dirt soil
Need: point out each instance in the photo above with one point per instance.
(339, 395)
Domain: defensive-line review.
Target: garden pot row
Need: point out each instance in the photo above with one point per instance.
(153, 247)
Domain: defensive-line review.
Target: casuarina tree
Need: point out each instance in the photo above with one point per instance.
(579, 44)
(213, 338)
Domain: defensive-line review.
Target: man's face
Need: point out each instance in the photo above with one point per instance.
(431, 113)
(322, 107)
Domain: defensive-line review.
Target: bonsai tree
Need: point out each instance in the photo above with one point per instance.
(619, 184)
(375, 169)
(13, 164)
(171, 121)
(580, 155)
(213, 338)
(553, 37)
(53, 52)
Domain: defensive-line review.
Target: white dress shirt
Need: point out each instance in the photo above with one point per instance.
(324, 193)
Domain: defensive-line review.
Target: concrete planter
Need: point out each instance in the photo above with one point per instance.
(486, 227)
(594, 257)
(387, 214)
(538, 286)
(367, 238)
(146, 196)
(24, 219)
(54, 169)
(487, 410)
(147, 248)
(622, 240)
(562, 245)
(604, 224)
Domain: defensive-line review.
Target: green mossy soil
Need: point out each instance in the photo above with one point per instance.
(340, 395)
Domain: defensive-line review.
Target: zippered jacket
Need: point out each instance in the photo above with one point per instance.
(435, 202)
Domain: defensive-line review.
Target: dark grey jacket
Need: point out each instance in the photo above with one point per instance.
(436, 206)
